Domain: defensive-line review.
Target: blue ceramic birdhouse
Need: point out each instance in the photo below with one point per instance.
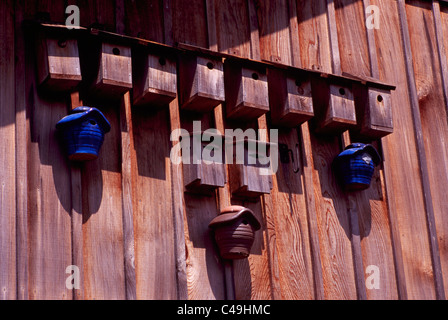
(355, 166)
(82, 132)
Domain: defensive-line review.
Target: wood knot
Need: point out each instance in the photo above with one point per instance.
(424, 87)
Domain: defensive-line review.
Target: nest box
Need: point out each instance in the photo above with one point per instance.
(334, 105)
(250, 169)
(154, 78)
(82, 133)
(354, 166)
(290, 97)
(204, 167)
(201, 81)
(58, 63)
(109, 68)
(373, 111)
(246, 90)
(234, 231)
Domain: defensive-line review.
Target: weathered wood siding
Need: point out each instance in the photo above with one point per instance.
(124, 218)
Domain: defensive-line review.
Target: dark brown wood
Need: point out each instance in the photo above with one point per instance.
(201, 81)
(22, 70)
(128, 194)
(209, 173)
(8, 265)
(422, 158)
(334, 106)
(373, 112)
(76, 191)
(114, 75)
(290, 98)
(249, 176)
(154, 78)
(312, 211)
(58, 62)
(246, 91)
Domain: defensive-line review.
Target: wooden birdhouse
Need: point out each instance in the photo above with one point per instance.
(290, 97)
(234, 231)
(246, 90)
(201, 81)
(114, 70)
(58, 63)
(334, 105)
(154, 78)
(82, 133)
(373, 111)
(354, 166)
(250, 168)
(204, 166)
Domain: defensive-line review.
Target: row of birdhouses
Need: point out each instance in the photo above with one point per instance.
(249, 89)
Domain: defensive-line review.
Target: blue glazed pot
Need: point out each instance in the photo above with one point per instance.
(82, 132)
(354, 166)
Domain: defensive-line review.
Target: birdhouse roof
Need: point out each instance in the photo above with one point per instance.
(81, 114)
(356, 148)
(232, 213)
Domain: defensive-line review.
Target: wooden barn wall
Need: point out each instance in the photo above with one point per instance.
(125, 220)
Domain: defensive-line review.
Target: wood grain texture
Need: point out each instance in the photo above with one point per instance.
(352, 37)
(233, 32)
(155, 251)
(58, 63)
(49, 199)
(144, 19)
(429, 84)
(22, 127)
(313, 35)
(205, 270)
(103, 217)
(128, 167)
(311, 210)
(400, 150)
(8, 267)
(289, 214)
(189, 22)
(76, 211)
(370, 228)
(333, 222)
(178, 209)
(273, 19)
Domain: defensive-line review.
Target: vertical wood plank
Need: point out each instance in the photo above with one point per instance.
(129, 194)
(405, 204)
(352, 37)
(22, 125)
(425, 80)
(368, 213)
(177, 184)
(49, 201)
(189, 22)
(392, 69)
(285, 208)
(311, 210)
(233, 36)
(8, 267)
(273, 18)
(315, 51)
(159, 259)
(353, 213)
(222, 194)
(178, 207)
(144, 19)
(103, 217)
(333, 37)
(76, 213)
